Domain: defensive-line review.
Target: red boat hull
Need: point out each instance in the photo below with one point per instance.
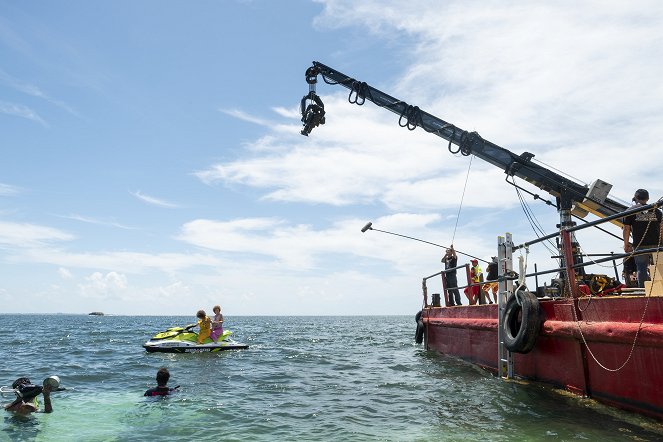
(624, 334)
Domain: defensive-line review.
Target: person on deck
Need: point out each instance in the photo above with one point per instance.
(492, 276)
(476, 275)
(162, 389)
(629, 272)
(26, 397)
(647, 231)
(450, 261)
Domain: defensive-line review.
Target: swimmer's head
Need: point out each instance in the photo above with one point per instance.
(25, 389)
(162, 376)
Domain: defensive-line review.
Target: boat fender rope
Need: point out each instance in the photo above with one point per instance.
(648, 296)
(522, 276)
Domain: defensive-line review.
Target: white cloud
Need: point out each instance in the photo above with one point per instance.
(25, 235)
(175, 289)
(33, 91)
(8, 190)
(127, 262)
(154, 201)
(287, 113)
(98, 285)
(354, 158)
(21, 111)
(101, 222)
(65, 273)
(241, 115)
(582, 77)
(576, 83)
(569, 82)
(289, 247)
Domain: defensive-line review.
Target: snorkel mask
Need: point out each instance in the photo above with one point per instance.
(25, 390)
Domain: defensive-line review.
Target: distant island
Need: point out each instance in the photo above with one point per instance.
(96, 314)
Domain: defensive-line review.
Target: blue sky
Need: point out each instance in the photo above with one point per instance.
(152, 161)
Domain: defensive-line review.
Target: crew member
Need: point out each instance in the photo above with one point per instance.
(646, 229)
(492, 276)
(629, 272)
(450, 261)
(476, 275)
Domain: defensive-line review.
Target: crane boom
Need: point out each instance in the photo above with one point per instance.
(570, 195)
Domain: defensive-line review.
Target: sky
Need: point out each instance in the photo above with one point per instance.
(152, 162)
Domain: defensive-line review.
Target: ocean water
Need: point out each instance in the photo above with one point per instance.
(303, 378)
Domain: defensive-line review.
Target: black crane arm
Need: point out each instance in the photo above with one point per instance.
(570, 193)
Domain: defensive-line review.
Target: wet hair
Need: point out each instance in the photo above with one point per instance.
(201, 314)
(217, 306)
(162, 376)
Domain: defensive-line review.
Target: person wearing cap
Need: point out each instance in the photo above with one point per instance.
(26, 397)
(492, 276)
(476, 275)
(450, 261)
(647, 231)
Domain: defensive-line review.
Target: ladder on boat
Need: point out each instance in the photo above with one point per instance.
(505, 290)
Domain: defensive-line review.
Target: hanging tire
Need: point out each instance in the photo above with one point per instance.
(521, 323)
(419, 334)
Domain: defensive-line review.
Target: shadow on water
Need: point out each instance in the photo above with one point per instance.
(20, 427)
(470, 403)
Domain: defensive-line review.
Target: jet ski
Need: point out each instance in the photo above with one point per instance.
(184, 340)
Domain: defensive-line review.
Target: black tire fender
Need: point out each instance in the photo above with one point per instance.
(419, 334)
(521, 323)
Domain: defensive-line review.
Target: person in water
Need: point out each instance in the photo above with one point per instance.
(205, 324)
(26, 397)
(162, 389)
(217, 323)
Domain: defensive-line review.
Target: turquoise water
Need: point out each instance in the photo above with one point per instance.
(303, 378)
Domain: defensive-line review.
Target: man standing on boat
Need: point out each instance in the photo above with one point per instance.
(473, 292)
(492, 276)
(450, 261)
(647, 231)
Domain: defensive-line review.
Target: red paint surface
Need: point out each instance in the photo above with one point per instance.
(561, 358)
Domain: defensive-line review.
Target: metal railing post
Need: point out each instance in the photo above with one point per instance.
(425, 291)
(505, 259)
(470, 283)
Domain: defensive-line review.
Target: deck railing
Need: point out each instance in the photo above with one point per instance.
(569, 268)
(479, 298)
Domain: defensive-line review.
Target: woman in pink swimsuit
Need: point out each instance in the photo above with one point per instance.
(217, 323)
